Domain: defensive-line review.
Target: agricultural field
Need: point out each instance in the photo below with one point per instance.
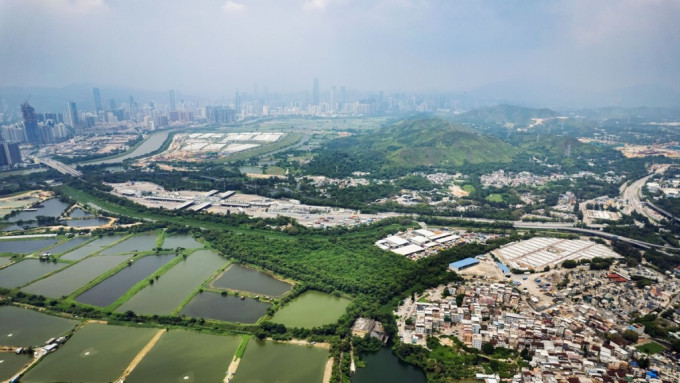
(172, 288)
(24, 327)
(311, 309)
(95, 353)
(265, 361)
(182, 356)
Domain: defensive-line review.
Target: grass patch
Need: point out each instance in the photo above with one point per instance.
(469, 188)
(424, 299)
(650, 348)
(242, 347)
(495, 197)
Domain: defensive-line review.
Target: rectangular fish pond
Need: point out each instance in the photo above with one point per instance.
(241, 278)
(72, 278)
(95, 353)
(106, 292)
(172, 288)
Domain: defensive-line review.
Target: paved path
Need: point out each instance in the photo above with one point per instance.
(141, 355)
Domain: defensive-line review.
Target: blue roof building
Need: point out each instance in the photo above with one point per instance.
(504, 269)
(463, 264)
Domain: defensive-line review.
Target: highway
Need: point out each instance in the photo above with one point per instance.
(60, 167)
(632, 192)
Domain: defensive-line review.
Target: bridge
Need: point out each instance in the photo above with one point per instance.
(60, 167)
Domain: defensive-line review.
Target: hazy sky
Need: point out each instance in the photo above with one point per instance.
(216, 46)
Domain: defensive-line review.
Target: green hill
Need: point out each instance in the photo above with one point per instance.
(408, 144)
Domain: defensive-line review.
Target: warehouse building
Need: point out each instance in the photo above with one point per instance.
(463, 264)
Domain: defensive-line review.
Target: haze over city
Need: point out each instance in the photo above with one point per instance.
(213, 48)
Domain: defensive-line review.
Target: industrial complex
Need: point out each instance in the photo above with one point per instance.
(537, 253)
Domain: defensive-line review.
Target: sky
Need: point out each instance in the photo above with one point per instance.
(217, 46)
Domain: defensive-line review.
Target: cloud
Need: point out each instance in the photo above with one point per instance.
(233, 7)
(316, 4)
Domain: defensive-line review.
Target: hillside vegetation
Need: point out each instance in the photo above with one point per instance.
(409, 144)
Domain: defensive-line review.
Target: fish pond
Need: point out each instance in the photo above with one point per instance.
(11, 364)
(238, 277)
(311, 309)
(182, 356)
(24, 327)
(5, 260)
(280, 362)
(384, 366)
(183, 241)
(95, 353)
(139, 243)
(86, 222)
(50, 208)
(227, 308)
(79, 213)
(106, 292)
(68, 245)
(173, 287)
(25, 246)
(91, 248)
(26, 271)
(71, 279)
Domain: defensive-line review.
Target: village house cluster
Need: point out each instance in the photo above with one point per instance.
(567, 342)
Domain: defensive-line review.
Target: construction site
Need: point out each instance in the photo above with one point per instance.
(197, 146)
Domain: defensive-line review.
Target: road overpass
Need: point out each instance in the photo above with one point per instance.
(60, 167)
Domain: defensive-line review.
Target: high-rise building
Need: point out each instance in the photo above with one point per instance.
(237, 103)
(172, 100)
(315, 93)
(30, 124)
(9, 154)
(97, 100)
(343, 98)
(333, 100)
(73, 115)
(112, 104)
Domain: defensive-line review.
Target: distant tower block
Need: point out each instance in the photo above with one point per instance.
(568, 154)
(97, 100)
(315, 93)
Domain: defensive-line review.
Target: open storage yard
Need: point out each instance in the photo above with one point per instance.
(224, 202)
